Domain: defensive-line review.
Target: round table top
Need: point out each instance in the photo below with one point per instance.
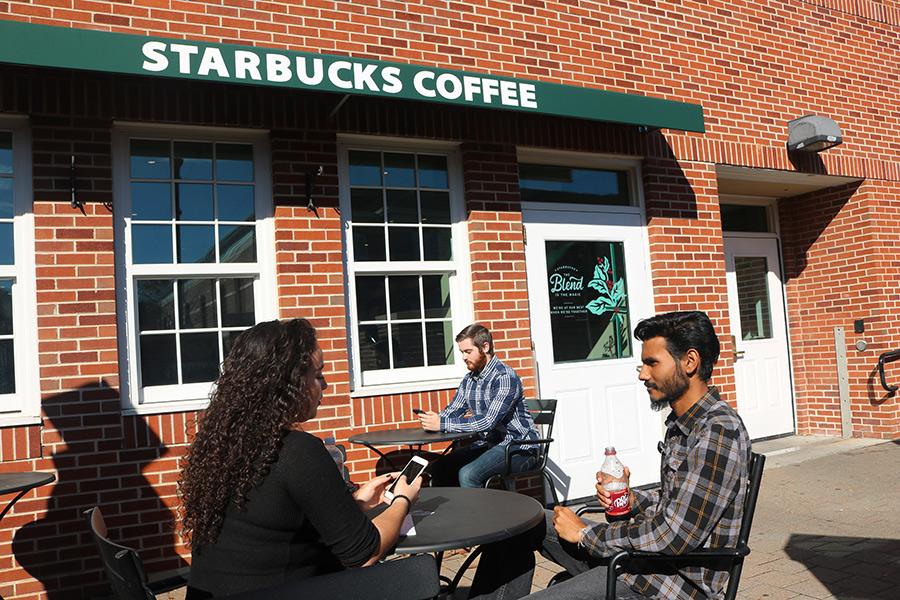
(410, 436)
(16, 482)
(450, 518)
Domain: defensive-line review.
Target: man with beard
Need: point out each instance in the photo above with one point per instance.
(699, 504)
(489, 401)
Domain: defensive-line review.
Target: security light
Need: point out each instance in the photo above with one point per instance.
(813, 133)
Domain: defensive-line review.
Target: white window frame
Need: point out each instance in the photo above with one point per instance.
(190, 396)
(390, 381)
(23, 407)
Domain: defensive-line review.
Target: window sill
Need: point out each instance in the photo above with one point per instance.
(19, 420)
(166, 407)
(406, 388)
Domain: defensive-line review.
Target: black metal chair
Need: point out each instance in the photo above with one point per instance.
(733, 557)
(123, 566)
(543, 411)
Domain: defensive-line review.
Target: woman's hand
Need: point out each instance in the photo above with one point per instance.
(410, 490)
(371, 494)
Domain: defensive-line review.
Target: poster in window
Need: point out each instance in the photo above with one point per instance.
(588, 298)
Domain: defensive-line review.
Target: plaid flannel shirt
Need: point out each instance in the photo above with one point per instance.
(496, 401)
(705, 462)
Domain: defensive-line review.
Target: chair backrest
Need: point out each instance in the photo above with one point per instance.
(757, 462)
(543, 412)
(123, 566)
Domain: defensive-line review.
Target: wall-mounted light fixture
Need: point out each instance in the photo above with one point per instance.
(813, 133)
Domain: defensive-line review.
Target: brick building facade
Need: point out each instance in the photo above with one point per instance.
(81, 406)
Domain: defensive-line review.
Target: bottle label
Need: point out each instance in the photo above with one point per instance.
(618, 503)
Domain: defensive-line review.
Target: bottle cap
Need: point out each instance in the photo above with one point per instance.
(610, 450)
(329, 439)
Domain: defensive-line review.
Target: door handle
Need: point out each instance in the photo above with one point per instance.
(737, 353)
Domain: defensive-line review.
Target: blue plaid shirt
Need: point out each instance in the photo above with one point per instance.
(495, 399)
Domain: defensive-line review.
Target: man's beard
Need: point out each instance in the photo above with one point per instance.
(672, 389)
(480, 362)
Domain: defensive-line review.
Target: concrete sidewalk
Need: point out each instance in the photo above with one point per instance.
(826, 523)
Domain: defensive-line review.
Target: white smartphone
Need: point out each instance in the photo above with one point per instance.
(413, 469)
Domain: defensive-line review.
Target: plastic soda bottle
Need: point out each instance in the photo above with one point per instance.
(614, 483)
(336, 455)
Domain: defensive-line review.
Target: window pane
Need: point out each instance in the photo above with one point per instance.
(553, 183)
(235, 202)
(199, 357)
(7, 251)
(366, 206)
(404, 243)
(6, 315)
(439, 343)
(158, 360)
(738, 217)
(150, 159)
(433, 172)
(588, 299)
(237, 302)
(6, 198)
(373, 347)
(436, 289)
(237, 243)
(6, 164)
(368, 243)
(234, 162)
(365, 168)
(436, 242)
(753, 297)
(156, 304)
(228, 338)
(401, 206)
(196, 244)
(405, 302)
(7, 368)
(197, 303)
(399, 170)
(151, 201)
(151, 244)
(435, 207)
(193, 160)
(407, 338)
(370, 299)
(194, 202)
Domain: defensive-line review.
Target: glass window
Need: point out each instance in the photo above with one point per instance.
(745, 218)
(753, 297)
(19, 385)
(554, 183)
(588, 300)
(193, 262)
(402, 268)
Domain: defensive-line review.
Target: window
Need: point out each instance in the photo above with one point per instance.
(576, 185)
(195, 215)
(403, 218)
(745, 218)
(19, 395)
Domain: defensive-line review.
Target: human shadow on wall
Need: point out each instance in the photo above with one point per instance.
(851, 568)
(99, 457)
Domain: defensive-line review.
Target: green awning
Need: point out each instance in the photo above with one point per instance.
(63, 47)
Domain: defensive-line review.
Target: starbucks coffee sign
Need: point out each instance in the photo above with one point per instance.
(70, 48)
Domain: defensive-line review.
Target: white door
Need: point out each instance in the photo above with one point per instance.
(756, 311)
(588, 286)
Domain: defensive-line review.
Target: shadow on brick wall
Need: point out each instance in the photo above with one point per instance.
(100, 458)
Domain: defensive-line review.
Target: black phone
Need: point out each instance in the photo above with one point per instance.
(418, 411)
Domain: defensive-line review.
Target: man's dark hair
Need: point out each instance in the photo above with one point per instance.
(682, 331)
(479, 334)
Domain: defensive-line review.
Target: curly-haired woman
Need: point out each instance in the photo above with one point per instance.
(262, 501)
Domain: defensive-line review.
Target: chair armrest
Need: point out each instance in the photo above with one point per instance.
(588, 509)
(518, 443)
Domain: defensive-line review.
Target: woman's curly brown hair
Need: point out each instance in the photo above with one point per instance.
(260, 394)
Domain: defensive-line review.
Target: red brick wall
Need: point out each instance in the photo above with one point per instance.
(841, 264)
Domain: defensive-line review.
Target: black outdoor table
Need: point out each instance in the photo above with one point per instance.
(451, 518)
(410, 436)
(22, 483)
